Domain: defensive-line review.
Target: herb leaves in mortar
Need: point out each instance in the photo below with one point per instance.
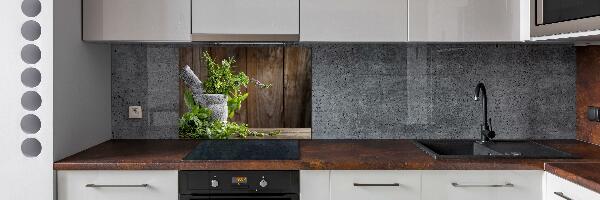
(222, 80)
(197, 124)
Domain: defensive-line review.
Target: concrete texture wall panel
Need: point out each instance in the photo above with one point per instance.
(147, 76)
(426, 90)
(372, 91)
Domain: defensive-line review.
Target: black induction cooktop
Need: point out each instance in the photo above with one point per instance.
(245, 150)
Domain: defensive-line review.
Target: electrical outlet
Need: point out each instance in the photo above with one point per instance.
(135, 112)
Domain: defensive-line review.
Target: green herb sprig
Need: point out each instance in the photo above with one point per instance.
(198, 124)
(222, 80)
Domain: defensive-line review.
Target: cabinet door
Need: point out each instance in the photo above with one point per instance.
(478, 185)
(354, 20)
(136, 20)
(314, 185)
(117, 185)
(233, 20)
(375, 185)
(560, 189)
(468, 20)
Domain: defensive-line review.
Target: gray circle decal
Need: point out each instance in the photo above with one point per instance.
(31, 77)
(31, 8)
(31, 30)
(31, 124)
(31, 100)
(31, 54)
(31, 147)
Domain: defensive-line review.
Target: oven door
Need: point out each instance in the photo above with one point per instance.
(245, 197)
(551, 17)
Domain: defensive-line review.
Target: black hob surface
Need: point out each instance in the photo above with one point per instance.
(245, 150)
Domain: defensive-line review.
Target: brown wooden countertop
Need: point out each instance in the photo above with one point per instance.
(314, 154)
(584, 174)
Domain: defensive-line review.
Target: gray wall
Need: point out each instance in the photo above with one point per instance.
(145, 75)
(426, 91)
(384, 90)
(81, 84)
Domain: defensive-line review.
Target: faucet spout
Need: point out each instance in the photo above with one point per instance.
(480, 94)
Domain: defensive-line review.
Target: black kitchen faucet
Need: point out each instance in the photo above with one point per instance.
(487, 134)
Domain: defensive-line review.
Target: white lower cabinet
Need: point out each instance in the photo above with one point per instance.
(341, 185)
(560, 189)
(421, 185)
(314, 184)
(482, 185)
(117, 185)
(375, 185)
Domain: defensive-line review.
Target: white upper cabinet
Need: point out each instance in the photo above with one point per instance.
(354, 20)
(307, 20)
(136, 20)
(245, 20)
(469, 20)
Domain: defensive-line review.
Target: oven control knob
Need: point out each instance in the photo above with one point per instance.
(263, 183)
(214, 183)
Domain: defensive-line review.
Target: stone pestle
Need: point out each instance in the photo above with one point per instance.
(217, 103)
(194, 83)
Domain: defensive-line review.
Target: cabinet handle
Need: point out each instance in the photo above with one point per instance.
(115, 186)
(376, 184)
(498, 185)
(562, 195)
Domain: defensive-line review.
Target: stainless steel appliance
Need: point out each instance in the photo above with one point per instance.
(234, 185)
(552, 17)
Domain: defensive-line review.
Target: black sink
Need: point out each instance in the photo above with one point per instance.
(470, 149)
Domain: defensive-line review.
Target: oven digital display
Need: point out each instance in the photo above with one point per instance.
(239, 180)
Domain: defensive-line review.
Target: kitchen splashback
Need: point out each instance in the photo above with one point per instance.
(588, 87)
(145, 75)
(371, 91)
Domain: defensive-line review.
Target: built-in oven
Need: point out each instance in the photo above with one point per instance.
(552, 17)
(237, 185)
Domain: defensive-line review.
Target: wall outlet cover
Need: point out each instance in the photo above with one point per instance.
(593, 114)
(135, 112)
